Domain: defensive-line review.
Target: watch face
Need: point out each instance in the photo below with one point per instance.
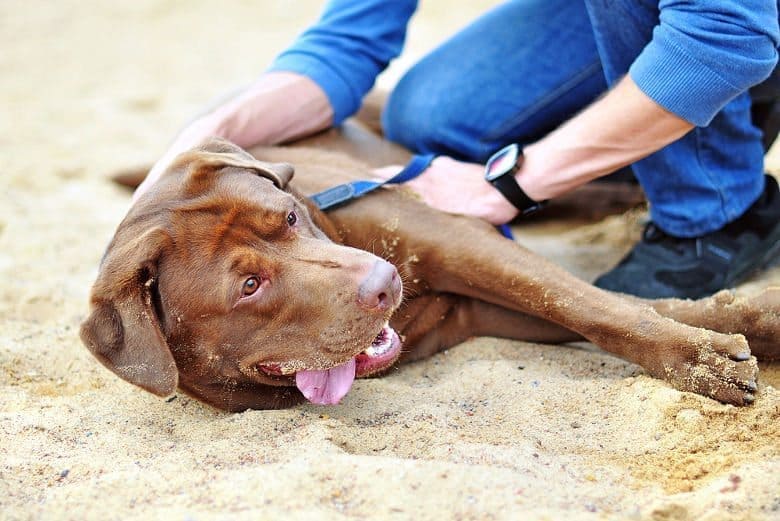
(501, 162)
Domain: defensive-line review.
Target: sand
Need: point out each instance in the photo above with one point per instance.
(491, 429)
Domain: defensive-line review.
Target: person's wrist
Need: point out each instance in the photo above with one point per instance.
(502, 172)
(496, 208)
(528, 178)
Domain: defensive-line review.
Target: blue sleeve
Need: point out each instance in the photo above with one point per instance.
(705, 53)
(344, 52)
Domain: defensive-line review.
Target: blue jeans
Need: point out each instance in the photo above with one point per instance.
(527, 66)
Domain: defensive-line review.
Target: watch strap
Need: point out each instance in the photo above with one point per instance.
(507, 185)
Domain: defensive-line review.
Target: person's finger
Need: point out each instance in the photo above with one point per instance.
(386, 172)
(148, 181)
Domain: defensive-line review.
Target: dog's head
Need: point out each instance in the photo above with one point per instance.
(219, 281)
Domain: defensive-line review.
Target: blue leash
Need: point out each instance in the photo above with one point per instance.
(346, 192)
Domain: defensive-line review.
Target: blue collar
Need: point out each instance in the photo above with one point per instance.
(341, 194)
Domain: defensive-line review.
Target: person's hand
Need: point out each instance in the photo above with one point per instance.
(278, 107)
(457, 187)
(194, 134)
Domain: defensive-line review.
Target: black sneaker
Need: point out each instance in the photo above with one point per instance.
(662, 266)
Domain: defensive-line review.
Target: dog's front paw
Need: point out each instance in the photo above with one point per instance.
(715, 365)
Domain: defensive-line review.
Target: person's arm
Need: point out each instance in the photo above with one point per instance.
(701, 56)
(623, 126)
(616, 130)
(318, 82)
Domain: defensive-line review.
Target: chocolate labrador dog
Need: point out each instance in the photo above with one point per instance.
(227, 282)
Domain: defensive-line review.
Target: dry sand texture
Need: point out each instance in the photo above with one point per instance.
(492, 429)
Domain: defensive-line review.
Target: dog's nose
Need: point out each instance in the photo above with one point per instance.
(382, 288)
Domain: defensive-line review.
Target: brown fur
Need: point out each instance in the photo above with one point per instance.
(166, 308)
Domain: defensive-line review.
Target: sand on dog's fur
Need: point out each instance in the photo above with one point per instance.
(490, 429)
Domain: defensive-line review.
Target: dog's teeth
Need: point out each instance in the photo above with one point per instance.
(382, 348)
(381, 344)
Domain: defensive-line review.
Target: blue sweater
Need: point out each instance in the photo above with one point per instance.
(710, 51)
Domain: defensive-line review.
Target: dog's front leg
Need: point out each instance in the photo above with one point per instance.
(757, 317)
(440, 252)
(483, 265)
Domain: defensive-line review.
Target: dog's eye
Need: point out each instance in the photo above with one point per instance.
(250, 286)
(292, 218)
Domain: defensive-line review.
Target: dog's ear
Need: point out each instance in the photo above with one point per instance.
(218, 153)
(123, 330)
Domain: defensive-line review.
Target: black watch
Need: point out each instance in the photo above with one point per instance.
(500, 172)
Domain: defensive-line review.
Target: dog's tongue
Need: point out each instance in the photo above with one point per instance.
(326, 387)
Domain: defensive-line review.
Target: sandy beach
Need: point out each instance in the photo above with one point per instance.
(491, 429)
